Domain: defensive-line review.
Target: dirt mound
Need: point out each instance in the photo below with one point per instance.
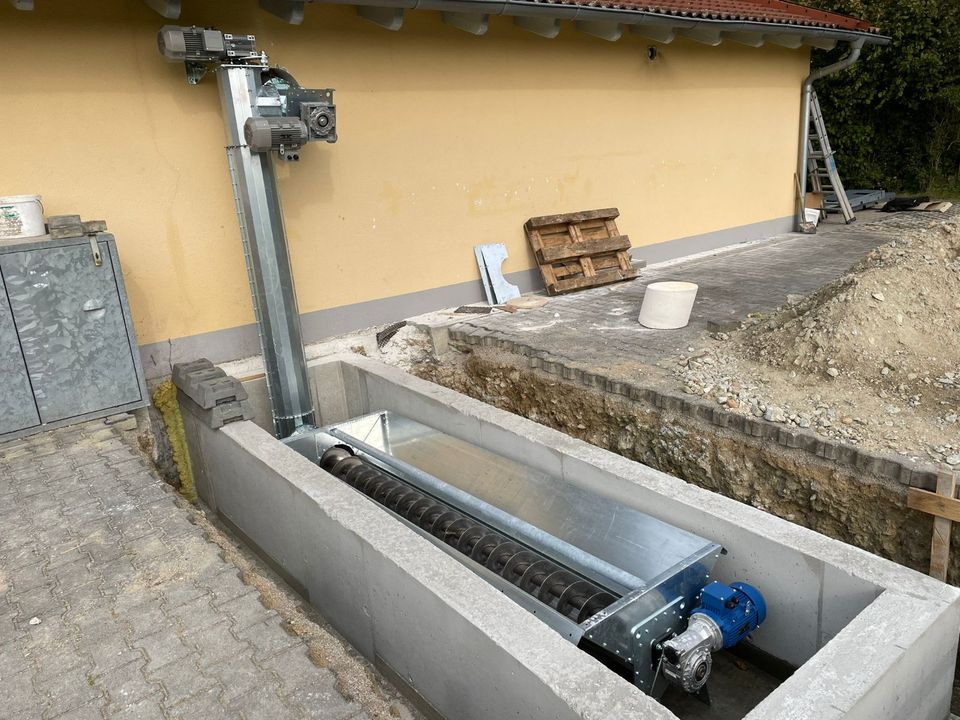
(892, 321)
(872, 359)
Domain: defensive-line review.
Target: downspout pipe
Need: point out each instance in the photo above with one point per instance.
(856, 47)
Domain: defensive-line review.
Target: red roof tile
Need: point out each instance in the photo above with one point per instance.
(762, 11)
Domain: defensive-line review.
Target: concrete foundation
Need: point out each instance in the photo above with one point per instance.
(871, 639)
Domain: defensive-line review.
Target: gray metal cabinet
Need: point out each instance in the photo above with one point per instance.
(17, 408)
(66, 316)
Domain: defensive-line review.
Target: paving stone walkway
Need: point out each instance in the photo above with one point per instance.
(114, 605)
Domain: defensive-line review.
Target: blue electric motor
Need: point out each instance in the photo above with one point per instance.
(737, 609)
(725, 616)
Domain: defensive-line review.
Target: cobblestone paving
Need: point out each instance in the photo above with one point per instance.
(598, 328)
(114, 605)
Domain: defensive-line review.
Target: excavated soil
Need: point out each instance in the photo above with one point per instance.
(872, 359)
(818, 494)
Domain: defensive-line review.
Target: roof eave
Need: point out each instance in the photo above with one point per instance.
(608, 23)
(543, 18)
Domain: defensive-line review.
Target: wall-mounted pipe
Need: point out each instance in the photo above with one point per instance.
(856, 48)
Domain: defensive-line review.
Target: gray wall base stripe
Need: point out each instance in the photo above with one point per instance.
(681, 247)
(237, 342)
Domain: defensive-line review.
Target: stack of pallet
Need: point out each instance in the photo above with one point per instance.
(580, 250)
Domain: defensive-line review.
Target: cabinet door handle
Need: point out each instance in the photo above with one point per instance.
(96, 307)
(95, 251)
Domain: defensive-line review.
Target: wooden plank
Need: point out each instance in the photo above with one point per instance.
(940, 544)
(587, 265)
(624, 261)
(612, 228)
(541, 221)
(536, 242)
(601, 278)
(566, 269)
(549, 278)
(586, 247)
(606, 262)
(934, 504)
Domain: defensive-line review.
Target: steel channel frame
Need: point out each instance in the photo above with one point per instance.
(629, 629)
(267, 256)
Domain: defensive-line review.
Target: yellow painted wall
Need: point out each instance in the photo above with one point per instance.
(446, 140)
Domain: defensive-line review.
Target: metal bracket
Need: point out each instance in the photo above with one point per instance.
(167, 8)
(473, 23)
(706, 36)
(609, 31)
(788, 41)
(544, 27)
(195, 71)
(750, 39)
(820, 43)
(385, 17)
(290, 11)
(95, 251)
(658, 33)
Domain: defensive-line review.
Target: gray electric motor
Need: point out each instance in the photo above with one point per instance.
(280, 134)
(202, 44)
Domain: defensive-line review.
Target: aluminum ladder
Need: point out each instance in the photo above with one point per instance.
(822, 167)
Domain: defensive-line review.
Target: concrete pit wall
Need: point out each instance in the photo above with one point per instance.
(872, 639)
(830, 497)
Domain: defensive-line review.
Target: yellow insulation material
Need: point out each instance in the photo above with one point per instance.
(165, 400)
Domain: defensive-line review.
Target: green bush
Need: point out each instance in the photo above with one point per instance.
(894, 118)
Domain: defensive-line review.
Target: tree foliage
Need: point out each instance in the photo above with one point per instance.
(894, 117)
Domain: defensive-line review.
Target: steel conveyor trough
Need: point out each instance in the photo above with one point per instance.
(611, 579)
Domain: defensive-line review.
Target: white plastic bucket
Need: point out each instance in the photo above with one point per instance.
(667, 305)
(21, 216)
(811, 215)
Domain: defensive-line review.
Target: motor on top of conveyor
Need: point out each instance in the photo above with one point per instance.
(627, 588)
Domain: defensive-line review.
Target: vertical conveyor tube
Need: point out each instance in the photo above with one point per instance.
(268, 260)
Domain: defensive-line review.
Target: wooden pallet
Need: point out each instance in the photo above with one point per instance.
(579, 250)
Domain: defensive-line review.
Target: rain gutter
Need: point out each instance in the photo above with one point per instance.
(856, 47)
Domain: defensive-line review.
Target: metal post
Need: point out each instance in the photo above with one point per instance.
(268, 260)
